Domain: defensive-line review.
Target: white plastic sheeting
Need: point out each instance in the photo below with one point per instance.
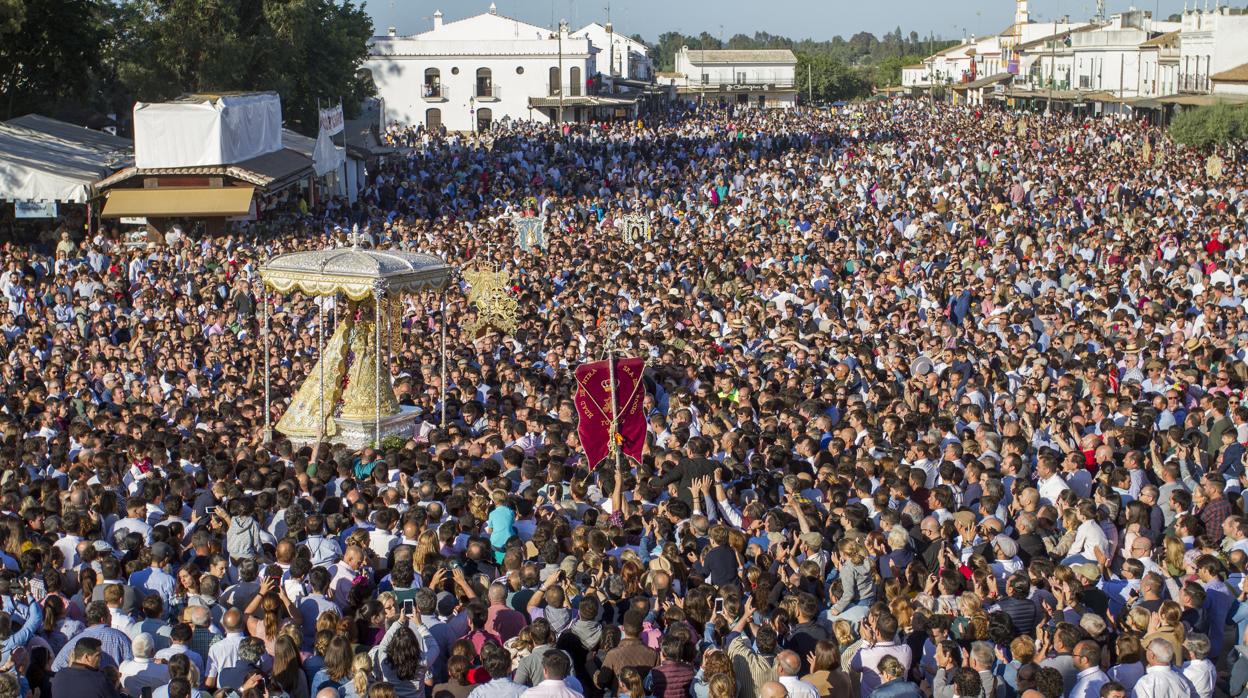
(38, 166)
(198, 132)
(327, 157)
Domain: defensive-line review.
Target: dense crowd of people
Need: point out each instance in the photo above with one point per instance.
(942, 401)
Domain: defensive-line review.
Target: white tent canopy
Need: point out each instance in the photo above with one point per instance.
(207, 130)
(41, 166)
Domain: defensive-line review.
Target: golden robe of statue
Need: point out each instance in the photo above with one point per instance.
(304, 411)
(360, 398)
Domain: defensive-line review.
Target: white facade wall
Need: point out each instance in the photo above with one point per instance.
(1159, 72)
(1108, 60)
(687, 62)
(519, 58)
(1230, 88)
(617, 54)
(915, 77)
(1210, 43)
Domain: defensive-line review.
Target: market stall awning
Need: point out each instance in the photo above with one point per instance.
(985, 82)
(1202, 100)
(187, 202)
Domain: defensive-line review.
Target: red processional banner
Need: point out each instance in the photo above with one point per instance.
(593, 407)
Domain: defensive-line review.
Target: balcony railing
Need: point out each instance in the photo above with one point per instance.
(491, 92)
(1193, 83)
(567, 90)
(713, 83)
(434, 92)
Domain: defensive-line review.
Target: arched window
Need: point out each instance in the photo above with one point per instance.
(556, 82)
(433, 83)
(485, 83)
(574, 81)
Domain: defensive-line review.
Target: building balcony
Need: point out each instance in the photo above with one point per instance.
(1194, 83)
(567, 91)
(488, 92)
(742, 83)
(434, 92)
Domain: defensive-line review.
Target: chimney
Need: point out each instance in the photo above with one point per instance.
(392, 32)
(437, 19)
(493, 9)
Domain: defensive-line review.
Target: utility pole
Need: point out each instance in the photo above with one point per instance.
(810, 83)
(563, 26)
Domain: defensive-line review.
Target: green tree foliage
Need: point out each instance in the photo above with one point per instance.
(1207, 127)
(48, 53)
(826, 79)
(835, 69)
(304, 49)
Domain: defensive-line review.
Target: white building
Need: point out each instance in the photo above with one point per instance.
(618, 55)
(1210, 42)
(1109, 58)
(762, 77)
(1159, 65)
(469, 73)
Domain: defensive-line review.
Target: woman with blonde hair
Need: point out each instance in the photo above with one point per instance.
(849, 643)
(972, 622)
(361, 677)
(1174, 556)
(630, 684)
(520, 646)
(1167, 624)
(427, 547)
(857, 582)
(714, 662)
(723, 686)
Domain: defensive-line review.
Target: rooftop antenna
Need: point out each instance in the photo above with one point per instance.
(1100, 10)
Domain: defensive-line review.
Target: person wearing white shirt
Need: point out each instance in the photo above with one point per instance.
(1051, 483)
(142, 671)
(1199, 671)
(224, 654)
(788, 666)
(1160, 680)
(1087, 659)
(555, 669)
(1089, 537)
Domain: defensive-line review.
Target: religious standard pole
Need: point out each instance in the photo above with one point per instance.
(378, 292)
(615, 417)
(442, 329)
(320, 353)
(268, 410)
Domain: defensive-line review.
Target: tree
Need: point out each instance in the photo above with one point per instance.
(48, 53)
(827, 79)
(306, 50)
(1207, 127)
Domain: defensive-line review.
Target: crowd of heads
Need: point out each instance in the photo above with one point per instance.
(940, 401)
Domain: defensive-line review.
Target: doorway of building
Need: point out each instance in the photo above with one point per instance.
(484, 118)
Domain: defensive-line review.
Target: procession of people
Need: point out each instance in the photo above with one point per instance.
(939, 401)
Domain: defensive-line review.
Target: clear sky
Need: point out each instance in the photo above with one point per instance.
(816, 19)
